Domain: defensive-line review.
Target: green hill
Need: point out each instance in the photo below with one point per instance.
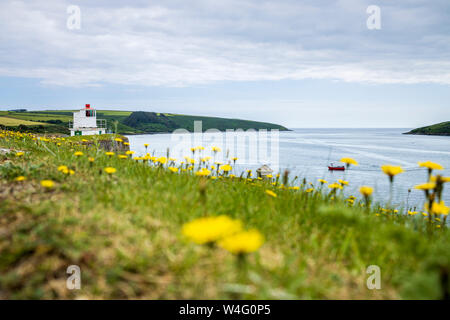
(440, 129)
(126, 122)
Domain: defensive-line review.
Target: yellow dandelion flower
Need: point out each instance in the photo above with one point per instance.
(271, 193)
(412, 213)
(173, 169)
(294, 188)
(215, 149)
(122, 156)
(343, 182)
(243, 242)
(322, 181)
(335, 186)
(431, 165)
(63, 169)
(126, 143)
(48, 184)
(226, 168)
(109, 153)
(210, 229)
(78, 154)
(426, 186)
(366, 191)
(391, 171)
(437, 208)
(19, 154)
(20, 178)
(91, 159)
(203, 172)
(349, 161)
(118, 140)
(110, 170)
(162, 160)
(129, 152)
(309, 190)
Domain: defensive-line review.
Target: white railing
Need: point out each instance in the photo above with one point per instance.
(101, 124)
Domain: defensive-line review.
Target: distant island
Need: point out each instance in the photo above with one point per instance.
(440, 129)
(123, 122)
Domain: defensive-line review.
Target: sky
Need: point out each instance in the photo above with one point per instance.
(311, 63)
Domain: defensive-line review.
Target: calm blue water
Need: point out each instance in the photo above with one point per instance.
(307, 152)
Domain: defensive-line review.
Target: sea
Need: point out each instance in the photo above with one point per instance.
(306, 154)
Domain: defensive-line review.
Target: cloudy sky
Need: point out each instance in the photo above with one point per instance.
(310, 63)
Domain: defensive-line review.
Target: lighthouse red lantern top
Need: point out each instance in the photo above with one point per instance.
(88, 106)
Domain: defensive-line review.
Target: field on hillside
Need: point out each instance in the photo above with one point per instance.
(162, 228)
(13, 122)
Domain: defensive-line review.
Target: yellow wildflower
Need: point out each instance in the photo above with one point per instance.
(391, 171)
(294, 188)
(322, 181)
(78, 154)
(210, 229)
(225, 168)
(271, 193)
(129, 152)
(162, 160)
(366, 191)
(173, 169)
(243, 242)
(411, 213)
(20, 178)
(63, 169)
(110, 170)
(335, 186)
(19, 154)
(109, 153)
(215, 149)
(343, 182)
(349, 161)
(437, 208)
(431, 165)
(426, 186)
(118, 140)
(309, 190)
(203, 172)
(91, 159)
(48, 184)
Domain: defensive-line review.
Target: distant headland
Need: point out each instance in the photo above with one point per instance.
(123, 122)
(439, 129)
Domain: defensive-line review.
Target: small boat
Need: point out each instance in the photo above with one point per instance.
(332, 167)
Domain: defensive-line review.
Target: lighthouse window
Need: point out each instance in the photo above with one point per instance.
(89, 113)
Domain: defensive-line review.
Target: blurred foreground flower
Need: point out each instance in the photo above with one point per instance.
(210, 229)
(243, 242)
(271, 193)
(48, 184)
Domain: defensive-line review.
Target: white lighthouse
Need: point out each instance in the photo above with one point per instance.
(85, 122)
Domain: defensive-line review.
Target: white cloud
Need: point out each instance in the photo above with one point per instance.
(179, 43)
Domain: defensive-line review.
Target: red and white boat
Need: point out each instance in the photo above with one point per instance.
(332, 167)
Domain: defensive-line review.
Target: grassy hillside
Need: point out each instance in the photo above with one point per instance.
(127, 122)
(440, 129)
(124, 229)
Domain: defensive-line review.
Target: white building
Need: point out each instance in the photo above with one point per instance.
(85, 122)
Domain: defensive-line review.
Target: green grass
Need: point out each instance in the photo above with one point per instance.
(123, 231)
(13, 122)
